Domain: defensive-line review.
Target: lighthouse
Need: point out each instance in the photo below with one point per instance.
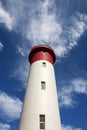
(40, 109)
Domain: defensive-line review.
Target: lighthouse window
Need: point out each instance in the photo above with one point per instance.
(43, 85)
(44, 64)
(42, 122)
(42, 126)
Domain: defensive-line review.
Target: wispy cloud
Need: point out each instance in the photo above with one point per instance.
(10, 107)
(68, 92)
(66, 97)
(69, 127)
(44, 26)
(20, 50)
(4, 126)
(76, 29)
(5, 18)
(1, 46)
(21, 71)
(80, 86)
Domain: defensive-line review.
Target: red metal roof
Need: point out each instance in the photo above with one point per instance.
(42, 52)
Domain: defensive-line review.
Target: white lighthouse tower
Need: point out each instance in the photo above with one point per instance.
(40, 109)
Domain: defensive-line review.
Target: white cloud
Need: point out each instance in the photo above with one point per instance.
(19, 10)
(4, 126)
(69, 127)
(43, 25)
(46, 29)
(66, 97)
(68, 92)
(77, 28)
(80, 86)
(5, 18)
(21, 50)
(21, 71)
(1, 46)
(10, 107)
(71, 33)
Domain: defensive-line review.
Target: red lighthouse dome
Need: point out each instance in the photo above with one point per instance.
(41, 52)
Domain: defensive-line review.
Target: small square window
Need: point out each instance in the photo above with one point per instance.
(43, 85)
(44, 64)
(42, 118)
(42, 122)
(42, 126)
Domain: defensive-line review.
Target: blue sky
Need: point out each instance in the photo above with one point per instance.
(61, 24)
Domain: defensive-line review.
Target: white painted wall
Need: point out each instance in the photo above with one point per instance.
(38, 101)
